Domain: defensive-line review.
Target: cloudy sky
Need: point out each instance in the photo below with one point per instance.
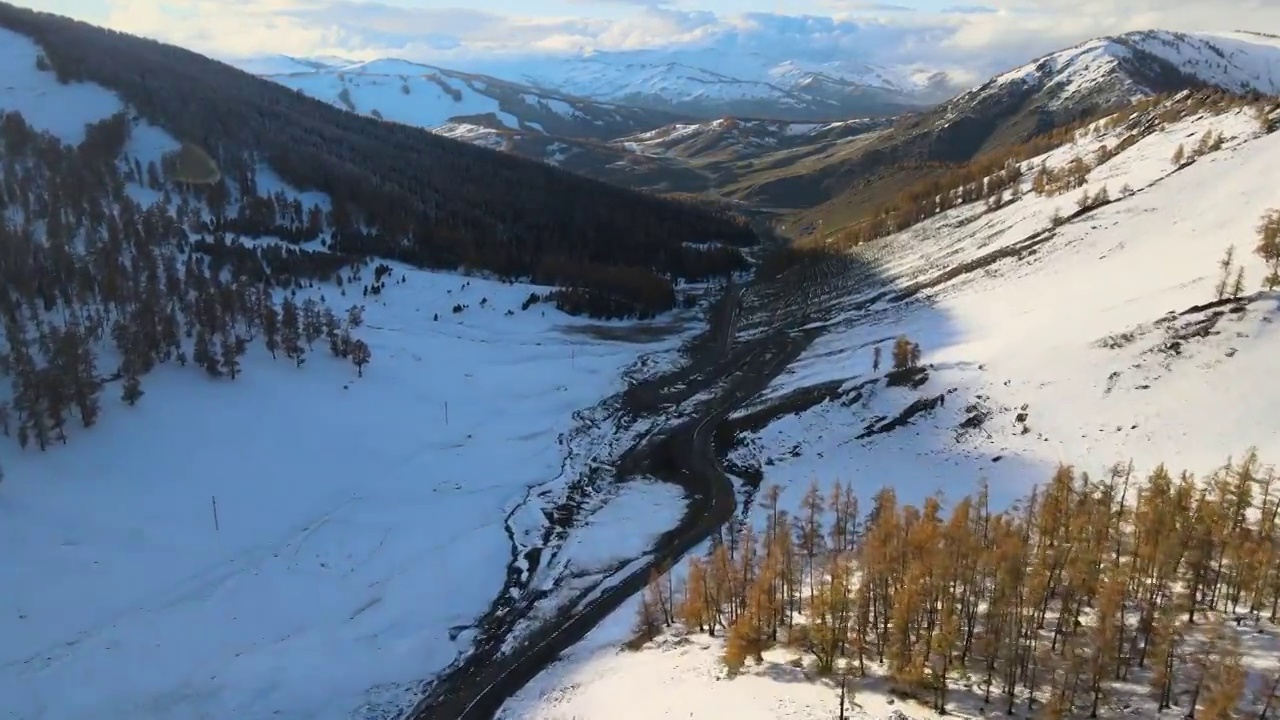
(945, 33)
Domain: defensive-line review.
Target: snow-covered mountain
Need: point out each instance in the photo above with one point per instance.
(698, 83)
(1016, 106)
(1139, 64)
(713, 83)
(709, 86)
(1050, 334)
(277, 64)
(710, 82)
(543, 104)
(433, 98)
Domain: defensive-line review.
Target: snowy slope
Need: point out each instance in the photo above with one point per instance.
(359, 522)
(432, 97)
(740, 137)
(283, 64)
(380, 87)
(301, 542)
(1080, 343)
(1122, 67)
(704, 82)
(716, 81)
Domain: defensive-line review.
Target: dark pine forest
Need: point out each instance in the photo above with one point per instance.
(404, 193)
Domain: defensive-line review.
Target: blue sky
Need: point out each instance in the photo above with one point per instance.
(946, 34)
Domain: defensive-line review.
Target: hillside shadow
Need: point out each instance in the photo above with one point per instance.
(832, 415)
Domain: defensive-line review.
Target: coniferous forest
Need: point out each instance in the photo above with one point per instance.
(1080, 597)
(96, 289)
(405, 193)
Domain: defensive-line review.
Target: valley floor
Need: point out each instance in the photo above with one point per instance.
(306, 543)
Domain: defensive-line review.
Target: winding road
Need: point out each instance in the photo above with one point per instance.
(684, 454)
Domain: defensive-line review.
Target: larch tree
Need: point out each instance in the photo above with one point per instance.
(1268, 247)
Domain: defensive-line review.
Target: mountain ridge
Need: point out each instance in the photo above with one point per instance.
(698, 83)
(786, 90)
(401, 192)
(1010, 106)
(430, 96)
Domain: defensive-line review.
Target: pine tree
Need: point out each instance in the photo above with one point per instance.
(204, 356)
(1237, 285)
(809, 532)
(1222, 678)
(648, 619)
(736, 649)
(1225, 267)
(132, 390)
(270, 325)
(1268, 247)
(312, 321)
(693, 609)
(291, 332)
(360, 356)
(229, 351)
(355, 316)
(902, 353)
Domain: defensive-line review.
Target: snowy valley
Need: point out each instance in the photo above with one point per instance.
(332, 475)
(273, 530)
(1049, 335)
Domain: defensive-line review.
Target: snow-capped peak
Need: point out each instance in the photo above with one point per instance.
(1147, 62)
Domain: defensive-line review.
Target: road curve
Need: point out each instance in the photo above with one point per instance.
(478, 692)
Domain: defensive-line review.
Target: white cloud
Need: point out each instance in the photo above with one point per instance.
(970, 38)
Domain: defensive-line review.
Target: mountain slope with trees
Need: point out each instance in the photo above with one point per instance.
(829, 174)
(1022, 106)
(999, 431)
(403, 193)
(275, 475)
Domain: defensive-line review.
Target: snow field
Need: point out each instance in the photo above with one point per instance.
(357, 523)
(379, 86)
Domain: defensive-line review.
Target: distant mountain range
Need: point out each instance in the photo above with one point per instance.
(694, 84)
(618, 122)
(610, 94)
(437, 98)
